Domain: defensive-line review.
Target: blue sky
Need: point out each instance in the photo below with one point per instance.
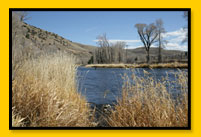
(85, 26)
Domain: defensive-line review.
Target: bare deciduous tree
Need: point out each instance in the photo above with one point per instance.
(148, 35)
(105, 48)
(20, 52)
(185, 15)
(24, 15)
(126, 46)
(109, 52)
(16, 28)
(120, 46)
(161, 41)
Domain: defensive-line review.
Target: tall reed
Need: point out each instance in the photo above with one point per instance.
(44, 93)
(147, 102)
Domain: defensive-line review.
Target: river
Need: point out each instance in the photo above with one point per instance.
(103, 85)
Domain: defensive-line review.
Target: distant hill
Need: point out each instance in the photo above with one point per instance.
(154, 51)
(138, 55)
(42, 41)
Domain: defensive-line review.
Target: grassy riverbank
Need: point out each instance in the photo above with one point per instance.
(148, 103)
(160, 65)
(44, 94)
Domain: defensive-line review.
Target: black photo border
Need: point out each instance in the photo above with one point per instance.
(99, 9)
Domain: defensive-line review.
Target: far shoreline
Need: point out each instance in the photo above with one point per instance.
(144, 65)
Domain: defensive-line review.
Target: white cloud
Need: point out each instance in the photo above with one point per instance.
(177, 33)
(120, 40)
(175, 39)
(176, 46)
(127, 41)
(178, 39)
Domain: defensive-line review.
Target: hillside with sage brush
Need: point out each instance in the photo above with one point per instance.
(41, 41)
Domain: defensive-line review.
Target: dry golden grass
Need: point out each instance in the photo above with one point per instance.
(106, 65)
(169, 65)
(44, 93)
(147, 103)
(160, 65)
(17, 121)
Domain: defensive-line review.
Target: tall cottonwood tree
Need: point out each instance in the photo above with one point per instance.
(148, 35)
(161, 41)
(185, 15)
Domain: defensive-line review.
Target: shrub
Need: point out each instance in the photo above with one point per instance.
(27, 36)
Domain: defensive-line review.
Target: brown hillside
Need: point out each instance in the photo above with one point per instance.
(48, 42)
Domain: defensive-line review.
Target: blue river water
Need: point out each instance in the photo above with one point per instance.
(103, 85)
